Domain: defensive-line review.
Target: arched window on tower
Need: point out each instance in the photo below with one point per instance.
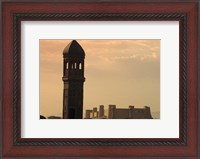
(72, 65)
(75, 65)
(67, 65)
(80, 66)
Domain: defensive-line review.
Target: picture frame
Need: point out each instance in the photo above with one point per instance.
(187, 145)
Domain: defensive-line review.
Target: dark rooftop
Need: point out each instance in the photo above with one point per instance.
(74, 49)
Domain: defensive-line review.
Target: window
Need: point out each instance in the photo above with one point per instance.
(80, 66)
(67, 65)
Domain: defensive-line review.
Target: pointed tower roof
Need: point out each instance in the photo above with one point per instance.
(74, 49)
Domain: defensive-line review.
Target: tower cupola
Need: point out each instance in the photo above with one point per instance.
(73, 49)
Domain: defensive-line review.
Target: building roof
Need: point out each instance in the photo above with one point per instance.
(74, 49)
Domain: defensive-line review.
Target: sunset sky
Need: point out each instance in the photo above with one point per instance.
(120, 72)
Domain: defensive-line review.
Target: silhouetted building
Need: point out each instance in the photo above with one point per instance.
(119, 113)
(42, 117)
(73, 78)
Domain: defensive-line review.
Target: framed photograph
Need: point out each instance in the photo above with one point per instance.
(100, 79)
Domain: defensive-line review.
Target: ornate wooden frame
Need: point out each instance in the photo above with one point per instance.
(184, 146)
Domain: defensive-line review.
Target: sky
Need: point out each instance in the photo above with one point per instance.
(119, 72)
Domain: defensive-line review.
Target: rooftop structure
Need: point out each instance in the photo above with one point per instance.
(119, 113)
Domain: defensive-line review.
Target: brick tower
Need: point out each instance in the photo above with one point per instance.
(73, 79)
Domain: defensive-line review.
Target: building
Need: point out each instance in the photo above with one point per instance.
(42, 117)
(73, 79)
(119, 113)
